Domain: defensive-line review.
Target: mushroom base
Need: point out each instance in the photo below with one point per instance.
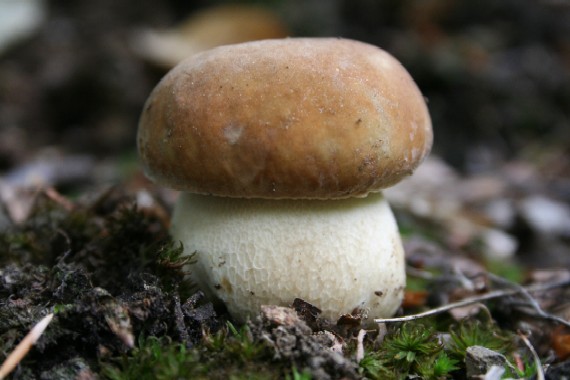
(338, 255)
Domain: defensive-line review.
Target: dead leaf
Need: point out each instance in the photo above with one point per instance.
(414, 299)
(561, 343)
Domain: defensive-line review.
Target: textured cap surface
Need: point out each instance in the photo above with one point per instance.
(292, 118)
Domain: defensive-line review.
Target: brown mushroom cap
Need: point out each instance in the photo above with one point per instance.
(293, 118)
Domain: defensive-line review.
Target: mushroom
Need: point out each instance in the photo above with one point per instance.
(281, 149)
(207, 28)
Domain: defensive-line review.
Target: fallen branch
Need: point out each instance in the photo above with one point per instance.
(483, 297)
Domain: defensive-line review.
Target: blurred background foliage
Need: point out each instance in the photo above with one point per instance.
(496, 74)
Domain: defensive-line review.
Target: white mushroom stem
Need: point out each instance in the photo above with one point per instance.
(338, 255)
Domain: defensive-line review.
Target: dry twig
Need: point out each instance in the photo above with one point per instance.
(537, 363)
(480, 298)
(526, 294)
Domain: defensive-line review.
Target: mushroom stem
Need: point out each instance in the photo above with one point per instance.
(338, 255)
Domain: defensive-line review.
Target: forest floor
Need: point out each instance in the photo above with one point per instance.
(485, 220)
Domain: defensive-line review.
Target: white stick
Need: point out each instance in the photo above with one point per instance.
(360, 345)
(24, 346)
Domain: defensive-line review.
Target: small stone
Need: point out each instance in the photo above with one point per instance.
(499, 245)
(283, 316)
(546, 215)
(479, 360)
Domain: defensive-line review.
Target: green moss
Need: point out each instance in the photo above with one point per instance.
(409, 349)
(440, 368)
(416, 349)
(410, 345)
(476, 333)
(374, 367)
(153, 358)
(296, 375)
(528, 372)
(228, 354)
